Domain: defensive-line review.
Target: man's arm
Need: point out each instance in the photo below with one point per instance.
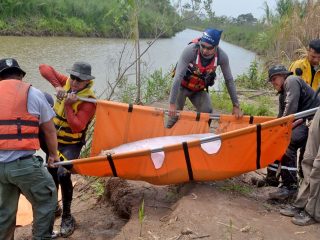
(281, 105)
(187, 56)
(79, 121)
(292, 90)
(51, 140)
(55, 78)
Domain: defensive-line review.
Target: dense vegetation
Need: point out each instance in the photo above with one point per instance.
(280, 36)
(98, 18)
(277, 36)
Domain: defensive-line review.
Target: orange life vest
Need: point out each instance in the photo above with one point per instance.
(18, 128)
(194, 80)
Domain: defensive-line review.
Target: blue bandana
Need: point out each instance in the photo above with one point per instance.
(211, 36)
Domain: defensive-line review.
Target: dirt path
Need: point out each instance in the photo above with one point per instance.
(230, 209)
(218, 210)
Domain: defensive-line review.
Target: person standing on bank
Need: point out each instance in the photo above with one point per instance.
(295, 95)
(25, 111)
(72, 119)
(195, 72)
(308, 68)
(306, 208)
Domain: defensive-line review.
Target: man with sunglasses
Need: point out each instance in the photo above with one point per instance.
(195, 72)
(72, 119)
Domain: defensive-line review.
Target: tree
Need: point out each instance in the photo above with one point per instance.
(246, 18)
(267, 13)
(208, 8)
(285, 7)
(131, 31)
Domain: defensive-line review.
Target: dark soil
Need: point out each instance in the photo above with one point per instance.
(230, 209)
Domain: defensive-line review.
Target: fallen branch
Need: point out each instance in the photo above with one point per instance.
(154, 206)
(257, 95)
(203, 236)
(228, 225)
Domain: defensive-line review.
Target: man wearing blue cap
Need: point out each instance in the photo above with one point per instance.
(195, 72)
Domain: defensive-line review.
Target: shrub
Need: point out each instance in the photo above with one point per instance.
(254, 78)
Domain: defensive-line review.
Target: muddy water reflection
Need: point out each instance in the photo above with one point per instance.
(103, 55)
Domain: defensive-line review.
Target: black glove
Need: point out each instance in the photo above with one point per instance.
(190, 70)
(209, 79)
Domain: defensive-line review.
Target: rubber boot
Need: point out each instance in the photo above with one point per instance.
(270, 180)
(68, 222)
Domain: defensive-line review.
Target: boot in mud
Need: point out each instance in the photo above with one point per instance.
(270, 180)
(68, 225)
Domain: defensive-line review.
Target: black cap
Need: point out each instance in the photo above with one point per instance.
(277, 70)
(315, 45)
(10, 63)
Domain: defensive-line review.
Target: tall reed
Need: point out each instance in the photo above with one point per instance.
(290, 34)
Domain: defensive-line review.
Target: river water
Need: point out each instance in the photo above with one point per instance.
(104, 54)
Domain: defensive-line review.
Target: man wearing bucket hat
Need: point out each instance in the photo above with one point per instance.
(195, 72)
(295, 95)
(72, 119)
(24, 112)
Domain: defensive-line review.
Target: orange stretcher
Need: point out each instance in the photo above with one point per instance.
(246, 144)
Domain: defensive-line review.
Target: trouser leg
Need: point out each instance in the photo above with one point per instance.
(304, 188)
(289, 160)
(66, 190)
(71, 151)
(37, 185)
(202, 102)
(311, 152)
(300, 158)
(289, 172)
(313, 204)
(272, 179)
(9, 197)
(54, 174)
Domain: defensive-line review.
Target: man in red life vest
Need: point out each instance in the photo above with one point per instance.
(195, 72)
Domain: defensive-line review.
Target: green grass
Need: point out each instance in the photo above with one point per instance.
(98, 187)
(221, 101)
(86, 18)
(242, 189)
(254, 78)
(155, 87)
(261, 106)
(141, 216)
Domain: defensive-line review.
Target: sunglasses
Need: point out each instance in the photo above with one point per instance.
(72, 77)
(206, 47)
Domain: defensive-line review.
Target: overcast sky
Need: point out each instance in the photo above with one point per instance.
(234, 8)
